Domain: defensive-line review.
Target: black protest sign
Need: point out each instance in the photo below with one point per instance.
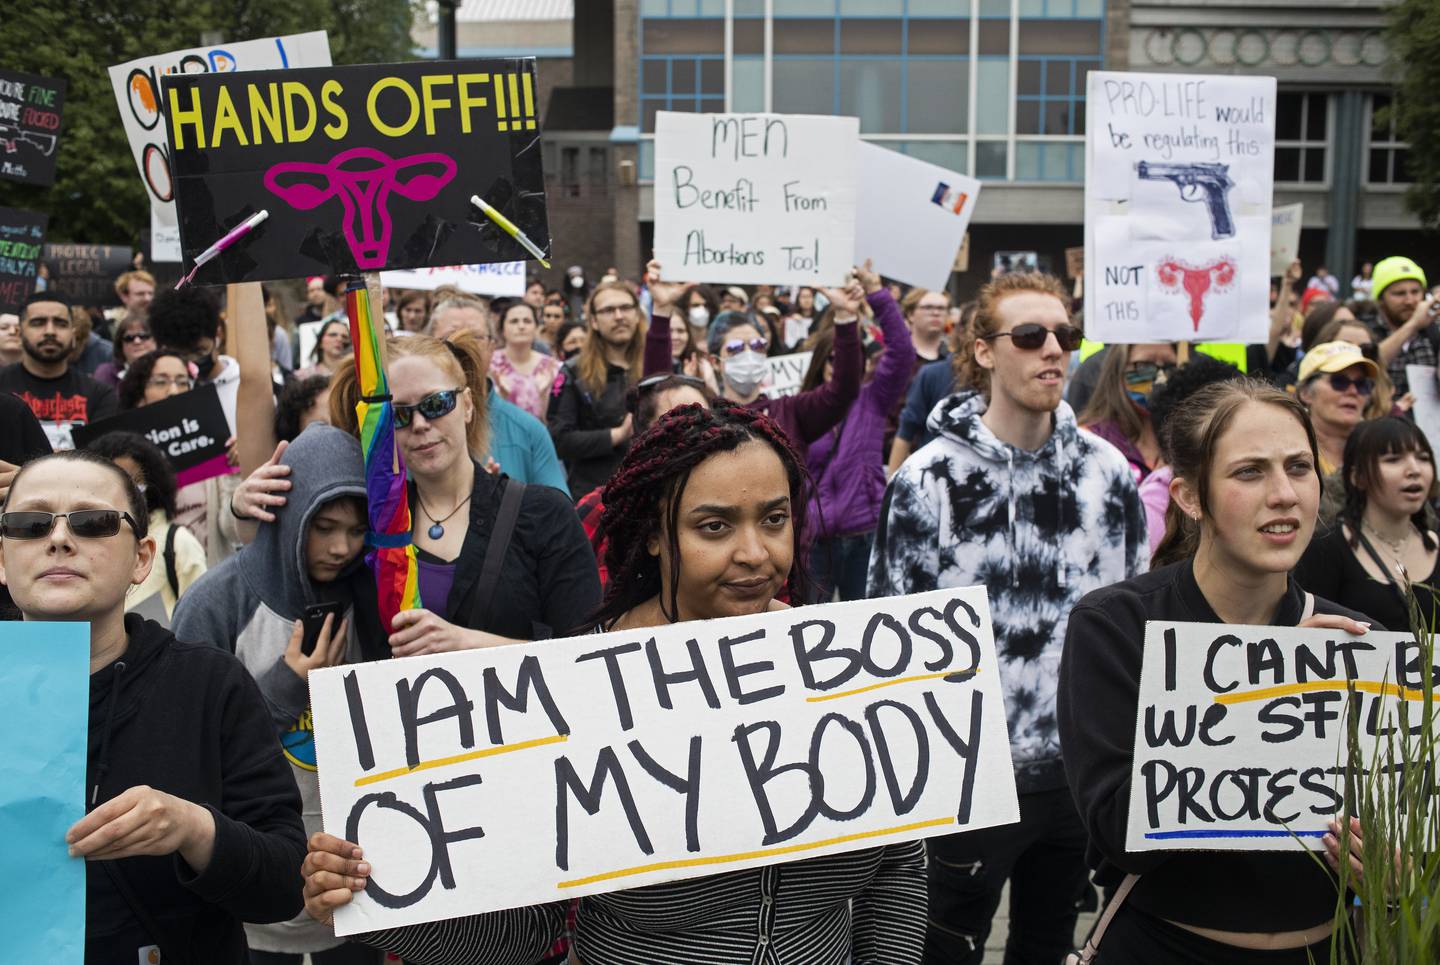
(22, 233)
(29, 126)
(360, 168)
(86, 274)
(189, 428)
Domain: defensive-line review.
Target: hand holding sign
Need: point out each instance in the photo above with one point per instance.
(665, 294)
(333, 872)
(142, 821)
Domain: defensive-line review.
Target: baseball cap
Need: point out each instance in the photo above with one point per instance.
(1330, 357)
(735, 291)
(1393, 269)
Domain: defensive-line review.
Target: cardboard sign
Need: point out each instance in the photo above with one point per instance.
(22, 235)
(912, 216)
(1179, 173)
(1074, 262)
(756, 198)
(786, 373)
(1240, 739)
(45, 688)
(30, 120)
(142, 110)
(86, 273)
(360, 168)
(613, 761)
(1426, 389)
(1285, 236)
(189, 428)
(502, 279)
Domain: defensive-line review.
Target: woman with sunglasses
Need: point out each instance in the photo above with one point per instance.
(706, 511)
(1383, 547)
(1118, 410)
(165, 875)
(1333, 322)
(132, 340)
(1336, 382)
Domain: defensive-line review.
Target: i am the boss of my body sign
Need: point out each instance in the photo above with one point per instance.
(360, 168)
(492, 779)
(1240, 738)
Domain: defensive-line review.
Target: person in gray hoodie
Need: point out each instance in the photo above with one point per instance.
(253, 603)
(1011, 494)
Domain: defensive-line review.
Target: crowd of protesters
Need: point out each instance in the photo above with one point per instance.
(554, 444)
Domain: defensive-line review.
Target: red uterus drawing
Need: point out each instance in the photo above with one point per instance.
(362, 178)
(1176, 274)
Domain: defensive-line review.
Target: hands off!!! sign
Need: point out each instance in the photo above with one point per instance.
(612, 761)
(360, 168)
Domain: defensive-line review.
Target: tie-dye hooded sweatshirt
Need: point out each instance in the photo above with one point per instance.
(1039, 529)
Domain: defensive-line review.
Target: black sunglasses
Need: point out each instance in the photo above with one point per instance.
(1142, 372)
(1032, 335)
(85, 523)
(1364, 385)
(131, 338)
(434, 406)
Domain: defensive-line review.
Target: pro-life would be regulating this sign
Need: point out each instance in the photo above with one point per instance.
(360, 168)
(1178, 178)
(613, 761)
(142, 110)
(1240, 738)
(755, 198)
(190, 429)
(30, 120)
(22, 234)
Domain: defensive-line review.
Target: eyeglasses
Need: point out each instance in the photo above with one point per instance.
(1340, 383)
(85, 523)
(756, 344)
(613, 310)
(134, 338)
(1032, 335)
(181, 382)
(650, 382)
(434, 406)
(1140, 373)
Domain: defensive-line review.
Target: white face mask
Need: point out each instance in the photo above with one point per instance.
(745, 370)
(699, 316)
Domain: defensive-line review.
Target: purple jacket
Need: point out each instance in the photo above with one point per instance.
(850, 474)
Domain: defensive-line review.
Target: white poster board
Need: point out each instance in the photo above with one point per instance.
(547, 771)
(1426, 410)
(1240, 738)
(786, 374)
(1285, 236)
(137, 92)
(755, 198)
(1179, 174)
(502, 279)
(912, 216)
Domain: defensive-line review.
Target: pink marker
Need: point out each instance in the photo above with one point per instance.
(232, 236)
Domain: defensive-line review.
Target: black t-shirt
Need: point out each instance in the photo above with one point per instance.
(1331, 568)
(61, 403)
(21, 437)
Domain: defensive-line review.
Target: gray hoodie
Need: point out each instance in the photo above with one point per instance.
(249, 604)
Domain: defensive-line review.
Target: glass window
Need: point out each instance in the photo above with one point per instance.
(683, 36)
(1090, 8)
(647, 160)
(1059, 37)
(682, 76)
(939, 96)
(994, 37)
(648, 107)
(1289, 110)
(804, 8)
(748, 37)
(948, 38)
(1388, 155)
(749, 8)
(868, 8)
(990, 159)
(870, 36)
(947, 154)
(939, 8)
(712, 77)
(995, 8)
(804, 85)
(1300, 125)
(1028, 77)
(1057, 78)
(654, 77)
(747, 79)
(712, 8)
(654, 8)
(870, 90)
(1027, 160)
(1055, 164)
(1030, 8)
(804, 36)
(992, 102)
(1287, 164)
(1027, 119)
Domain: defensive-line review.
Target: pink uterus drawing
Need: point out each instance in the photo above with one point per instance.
(362, 178)
(1197, 282)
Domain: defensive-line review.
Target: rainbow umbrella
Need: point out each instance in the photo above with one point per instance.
(391, 556)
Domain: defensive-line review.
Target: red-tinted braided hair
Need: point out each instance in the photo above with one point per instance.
(651, 481)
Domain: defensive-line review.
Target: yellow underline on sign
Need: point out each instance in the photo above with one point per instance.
(888, 683)
(751, 855)
(1311, 686)
(459, 759)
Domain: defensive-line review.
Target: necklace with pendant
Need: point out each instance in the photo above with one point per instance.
(1396, 547)
(437, 528)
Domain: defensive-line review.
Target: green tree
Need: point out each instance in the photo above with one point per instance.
(1414, 37)
(97, 196)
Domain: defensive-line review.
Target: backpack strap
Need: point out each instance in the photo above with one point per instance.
(171, 577)
(1091, 948)
(505, 519)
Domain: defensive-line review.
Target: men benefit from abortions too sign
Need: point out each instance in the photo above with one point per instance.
(1178, 177)
(1241, 732)
(755, 197)
(611, 761)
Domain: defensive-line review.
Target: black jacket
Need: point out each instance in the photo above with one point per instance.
(580, 423)
(188, 720)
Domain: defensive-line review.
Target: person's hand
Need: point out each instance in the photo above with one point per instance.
(847, 301)
(1334, 621)
(7, 473)
(329, 647)
(144, 821)
(1405, 403)
(1293, 272)
(420, 631)
(260, 492)
(333, 872)
(491, 466)
(663, 293)
(867, 277)
(232, 453)
(621, 434)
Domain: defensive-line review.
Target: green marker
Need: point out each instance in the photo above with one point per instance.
(509, 228)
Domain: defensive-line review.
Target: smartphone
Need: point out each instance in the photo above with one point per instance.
(314, 620)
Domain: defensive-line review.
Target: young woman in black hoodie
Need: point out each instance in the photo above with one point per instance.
(1243, 507)
(194, 821)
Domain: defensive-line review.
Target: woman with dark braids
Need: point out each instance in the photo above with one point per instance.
(704, 518)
